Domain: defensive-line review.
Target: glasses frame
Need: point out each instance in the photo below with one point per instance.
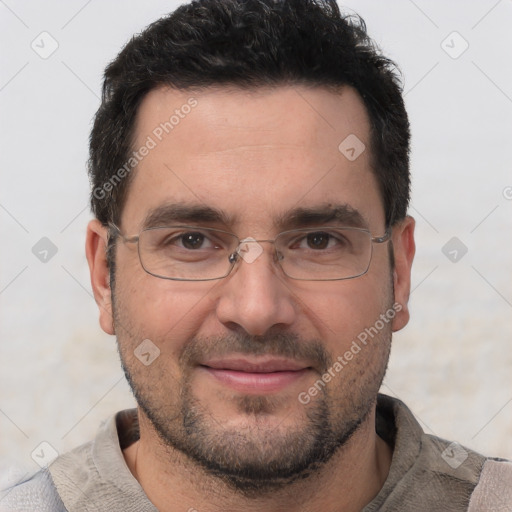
(235, 256)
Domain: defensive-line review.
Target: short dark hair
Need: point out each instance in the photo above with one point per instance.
(249, 44)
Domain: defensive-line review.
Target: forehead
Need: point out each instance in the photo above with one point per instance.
(252, 154)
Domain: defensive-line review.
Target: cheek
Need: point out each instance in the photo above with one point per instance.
(344, 309)
(166, 312)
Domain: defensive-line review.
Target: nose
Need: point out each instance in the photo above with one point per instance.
(255, 296)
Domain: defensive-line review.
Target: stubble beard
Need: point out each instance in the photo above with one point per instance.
(256, 459)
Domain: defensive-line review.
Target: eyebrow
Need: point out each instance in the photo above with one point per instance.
(171, 213)
(341, 214)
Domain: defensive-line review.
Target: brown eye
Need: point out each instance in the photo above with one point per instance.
(318, 240)
(192, 240)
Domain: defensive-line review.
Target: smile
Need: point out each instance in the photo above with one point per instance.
(259, 376)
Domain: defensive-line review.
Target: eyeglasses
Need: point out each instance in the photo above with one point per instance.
(192, 253)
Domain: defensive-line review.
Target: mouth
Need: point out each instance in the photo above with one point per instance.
(256, 376)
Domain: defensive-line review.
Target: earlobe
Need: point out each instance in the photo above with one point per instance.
(95, 249)
(403, 250)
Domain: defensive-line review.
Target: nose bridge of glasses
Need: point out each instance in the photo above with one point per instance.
(249, 248)
(250, 239)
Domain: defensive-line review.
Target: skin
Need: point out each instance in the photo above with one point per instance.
(255, 155)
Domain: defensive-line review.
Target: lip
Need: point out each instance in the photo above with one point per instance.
(260, 365)
(265, 375)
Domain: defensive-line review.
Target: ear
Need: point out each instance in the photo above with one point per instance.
(95, 250)
(403, 250)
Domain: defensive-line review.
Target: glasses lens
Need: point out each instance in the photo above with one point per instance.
(324, 253)
(186, 253)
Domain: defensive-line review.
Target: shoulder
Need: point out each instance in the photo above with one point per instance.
(431, 473)
(494, 488)
(35, 491)
(47, 489)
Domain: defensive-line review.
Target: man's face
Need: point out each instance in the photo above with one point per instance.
(236, 353)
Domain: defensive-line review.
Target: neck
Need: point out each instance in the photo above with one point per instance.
(348, 481)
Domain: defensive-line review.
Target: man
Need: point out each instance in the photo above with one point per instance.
(251, 252)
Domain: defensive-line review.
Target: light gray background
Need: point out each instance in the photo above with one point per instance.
(59, 373)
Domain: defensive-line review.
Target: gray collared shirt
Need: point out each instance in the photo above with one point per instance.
(426, 474)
